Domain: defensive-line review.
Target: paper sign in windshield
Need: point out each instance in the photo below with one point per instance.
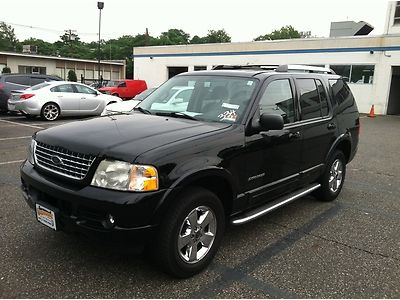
(229, 115)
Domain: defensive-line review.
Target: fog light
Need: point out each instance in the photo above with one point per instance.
(109, 222)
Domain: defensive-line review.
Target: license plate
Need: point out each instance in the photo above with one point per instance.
(11, 106)
(46, 216)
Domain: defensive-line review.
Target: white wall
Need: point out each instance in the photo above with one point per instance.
(14, 62)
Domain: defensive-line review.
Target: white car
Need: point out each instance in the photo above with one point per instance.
(176, 101)
(127, 105)
(59, 98)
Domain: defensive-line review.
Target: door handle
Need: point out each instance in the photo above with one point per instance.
(294, 135)
(59, 96)
(83, 98)
(331, 126)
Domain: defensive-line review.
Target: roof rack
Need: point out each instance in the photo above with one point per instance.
(277, 68)
(246, 67)
(304, 68)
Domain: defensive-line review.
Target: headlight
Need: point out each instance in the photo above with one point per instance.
(123, 176)
(31, 150)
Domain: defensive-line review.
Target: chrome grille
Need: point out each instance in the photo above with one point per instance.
(62, 161)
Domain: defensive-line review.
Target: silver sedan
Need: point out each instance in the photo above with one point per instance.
(59, 98)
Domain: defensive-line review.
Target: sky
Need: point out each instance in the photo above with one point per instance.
(243, 20)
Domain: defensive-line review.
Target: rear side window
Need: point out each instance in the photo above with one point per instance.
(22, 80)
(340, 90)
(309, 99)
(39, 86)
(278, 99)
(64, 88)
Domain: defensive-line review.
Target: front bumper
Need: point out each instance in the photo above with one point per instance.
(86, 209)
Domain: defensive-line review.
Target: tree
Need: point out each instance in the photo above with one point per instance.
(217, 36)
(72, 76)
(8, 39)
(6, 70)
(174, 37)
(44, 48)
(197, 40)
(286, 32)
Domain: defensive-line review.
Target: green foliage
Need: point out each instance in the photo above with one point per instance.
(217, 36)
(6, 70)
(8, 40)
(174, 37)
(72, 76)
(286, 32)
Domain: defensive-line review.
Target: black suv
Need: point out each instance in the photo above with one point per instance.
(11, 82)
(172, 174)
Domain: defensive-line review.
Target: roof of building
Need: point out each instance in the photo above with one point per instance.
(111, 62)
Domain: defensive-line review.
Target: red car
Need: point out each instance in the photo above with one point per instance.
(125, 89)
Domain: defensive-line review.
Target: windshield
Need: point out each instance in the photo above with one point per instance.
(206, 98)
(112, 83)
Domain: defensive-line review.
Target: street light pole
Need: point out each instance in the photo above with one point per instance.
(100, 6)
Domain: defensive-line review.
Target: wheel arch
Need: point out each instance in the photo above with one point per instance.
(217, 180)
(51, 102)
(342, 143)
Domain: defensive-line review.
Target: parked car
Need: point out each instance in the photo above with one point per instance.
(126, 106)
(176, 100)
(125, 89)
(51, 100)
(10, 82)
(249, 141)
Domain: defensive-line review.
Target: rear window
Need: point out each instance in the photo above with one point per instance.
(39, 86)
(21, 80)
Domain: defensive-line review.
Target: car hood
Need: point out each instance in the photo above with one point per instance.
(124, 137)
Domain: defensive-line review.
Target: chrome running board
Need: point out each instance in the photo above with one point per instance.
(260, 211)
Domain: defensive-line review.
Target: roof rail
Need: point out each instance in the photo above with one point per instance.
(246, 67)
(304, 68)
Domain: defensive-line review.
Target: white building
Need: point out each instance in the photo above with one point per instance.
(371, 63)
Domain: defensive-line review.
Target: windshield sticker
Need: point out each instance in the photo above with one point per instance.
(249, 83)
(207, 84)
(229, 115)
(231, 106)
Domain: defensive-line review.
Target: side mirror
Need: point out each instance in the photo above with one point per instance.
(271, 122)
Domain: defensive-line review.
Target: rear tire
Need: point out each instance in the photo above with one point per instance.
(50, 111)
(190, 233)
(333, 178)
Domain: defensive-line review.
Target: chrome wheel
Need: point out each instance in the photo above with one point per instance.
(51, 112)
(197, 234)
(336, 176)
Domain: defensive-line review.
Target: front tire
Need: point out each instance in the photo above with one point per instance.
(50, 112)
(333, 178)
(190, 233)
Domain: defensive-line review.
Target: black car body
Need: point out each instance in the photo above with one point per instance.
(249, 168)
(16, 82)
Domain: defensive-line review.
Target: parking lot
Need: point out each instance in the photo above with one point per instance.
(309, 249)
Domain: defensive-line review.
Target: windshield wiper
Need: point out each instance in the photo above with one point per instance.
(176, 115)
(142, 110)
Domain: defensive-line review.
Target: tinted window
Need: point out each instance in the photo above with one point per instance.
(122, 84)
(323, 98)
(340, 90)
(278, 99)
(83, 89)
(23, 80)
(37, 80)
(64, 88)
(309, 99)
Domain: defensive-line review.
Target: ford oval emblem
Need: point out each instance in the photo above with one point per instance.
(56, 160)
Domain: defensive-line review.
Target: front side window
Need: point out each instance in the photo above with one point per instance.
(206, 98)
(278, 99)
(84, 90)
(309, 99)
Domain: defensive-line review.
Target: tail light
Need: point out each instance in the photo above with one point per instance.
(26, 96)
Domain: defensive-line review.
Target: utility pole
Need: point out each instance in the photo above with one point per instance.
(71, 34)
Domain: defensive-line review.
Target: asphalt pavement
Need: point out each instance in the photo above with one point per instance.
(349, 248)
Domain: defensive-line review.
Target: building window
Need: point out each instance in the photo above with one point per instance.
(363, 74)
(397, 14)
(31, 70)
(200, 68)
(173, 71)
